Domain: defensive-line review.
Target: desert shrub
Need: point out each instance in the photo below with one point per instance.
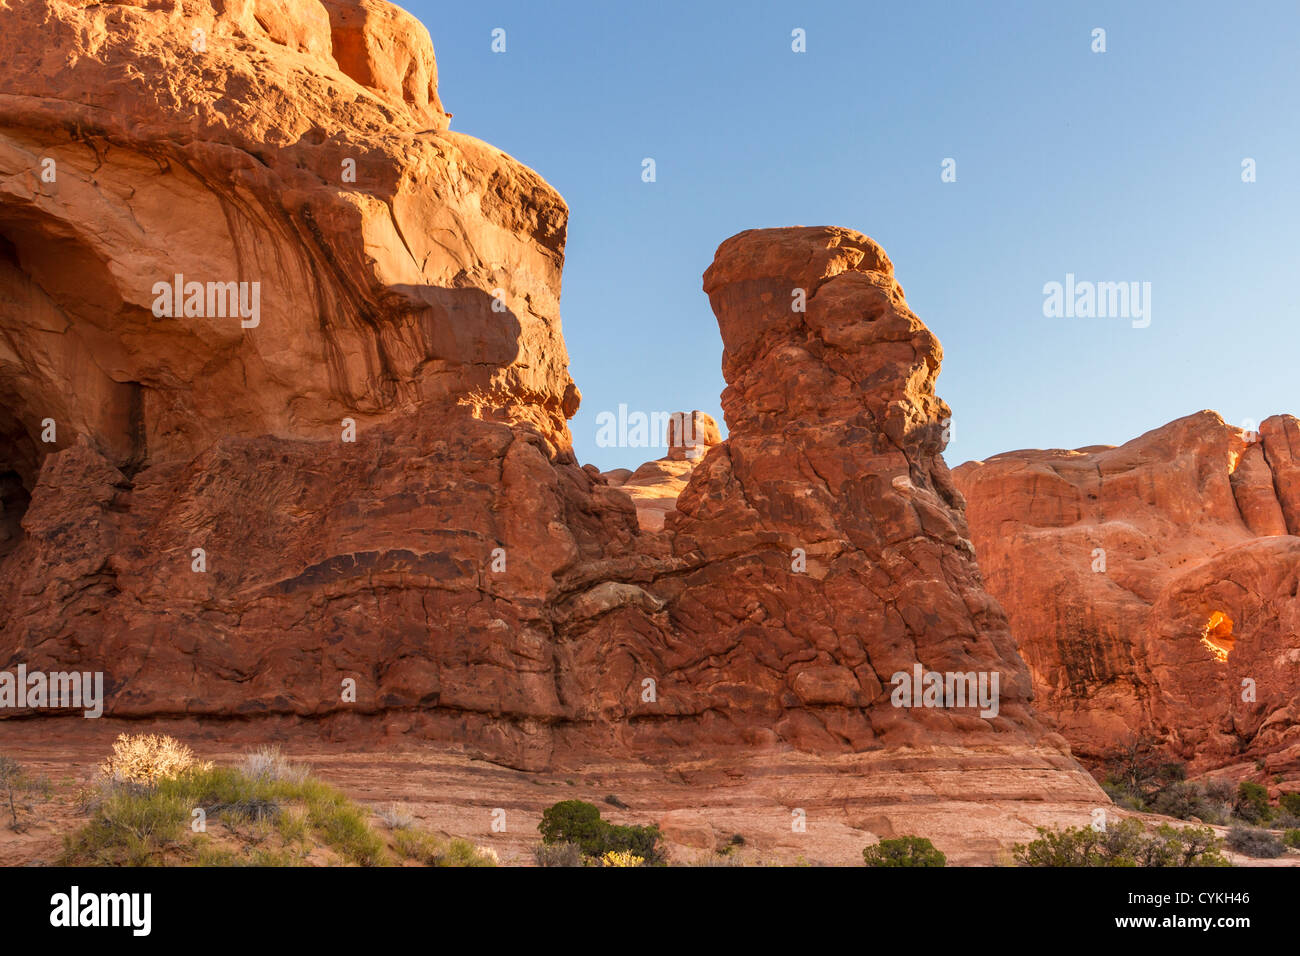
(1185, 799)
(432, 850)
(254, 809)
(20, 791)
(621, 858)
(1135, 772)
(268, 763)
(1183, 846)
(903, 851)
(293, 826)
(642, 841)
(574, 821)
(731, 846)
(1181, 799)
(557, 854)
(1292, 838)
(130, 828)
(419, 846)
(1255, 842)
(1122, 797)
(148, 758)
(463, 853)
(1289, 803)
(1252, 803)
(395, 817)
(725, 857)
(143, 808)
(1127, 843)
(342, 825)
(1220, 791)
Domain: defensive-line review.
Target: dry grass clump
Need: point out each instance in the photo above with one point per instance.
(268, 764)
(395, 817)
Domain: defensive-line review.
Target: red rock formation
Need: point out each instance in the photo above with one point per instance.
(825, 544)
(373, 482)
(408, 280)
(655, 486)
(1147, 583)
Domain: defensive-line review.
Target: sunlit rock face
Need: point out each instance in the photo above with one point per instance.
(1153, 586)
(297, 150)
(281, 369)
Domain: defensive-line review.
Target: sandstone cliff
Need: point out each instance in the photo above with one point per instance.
(1153, 586)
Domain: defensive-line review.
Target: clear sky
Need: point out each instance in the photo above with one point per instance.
(1122, 166)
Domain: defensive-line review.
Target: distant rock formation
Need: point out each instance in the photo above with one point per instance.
(359, 507)
(656, 485)
(1153, 586)
(690, 435)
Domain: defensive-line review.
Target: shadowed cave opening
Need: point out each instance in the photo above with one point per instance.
(18, 464)
(61, 358)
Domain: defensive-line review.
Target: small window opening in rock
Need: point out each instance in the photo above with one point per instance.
(1217, 636)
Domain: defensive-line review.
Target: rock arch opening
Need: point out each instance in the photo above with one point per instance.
(1217, 636)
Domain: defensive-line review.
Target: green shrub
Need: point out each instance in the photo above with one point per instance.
(1127, 843)
(1292, 838)
(1252, 803)
(903, 851)
(637, 840)
(1290, 804)
(1122, 796)
(343, 826)
(574, 821)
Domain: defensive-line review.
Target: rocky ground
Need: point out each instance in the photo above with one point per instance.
(973, 816)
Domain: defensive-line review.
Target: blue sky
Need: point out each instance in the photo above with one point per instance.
(1115, 166)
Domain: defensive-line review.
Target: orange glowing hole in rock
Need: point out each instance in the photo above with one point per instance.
(1217, 636)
